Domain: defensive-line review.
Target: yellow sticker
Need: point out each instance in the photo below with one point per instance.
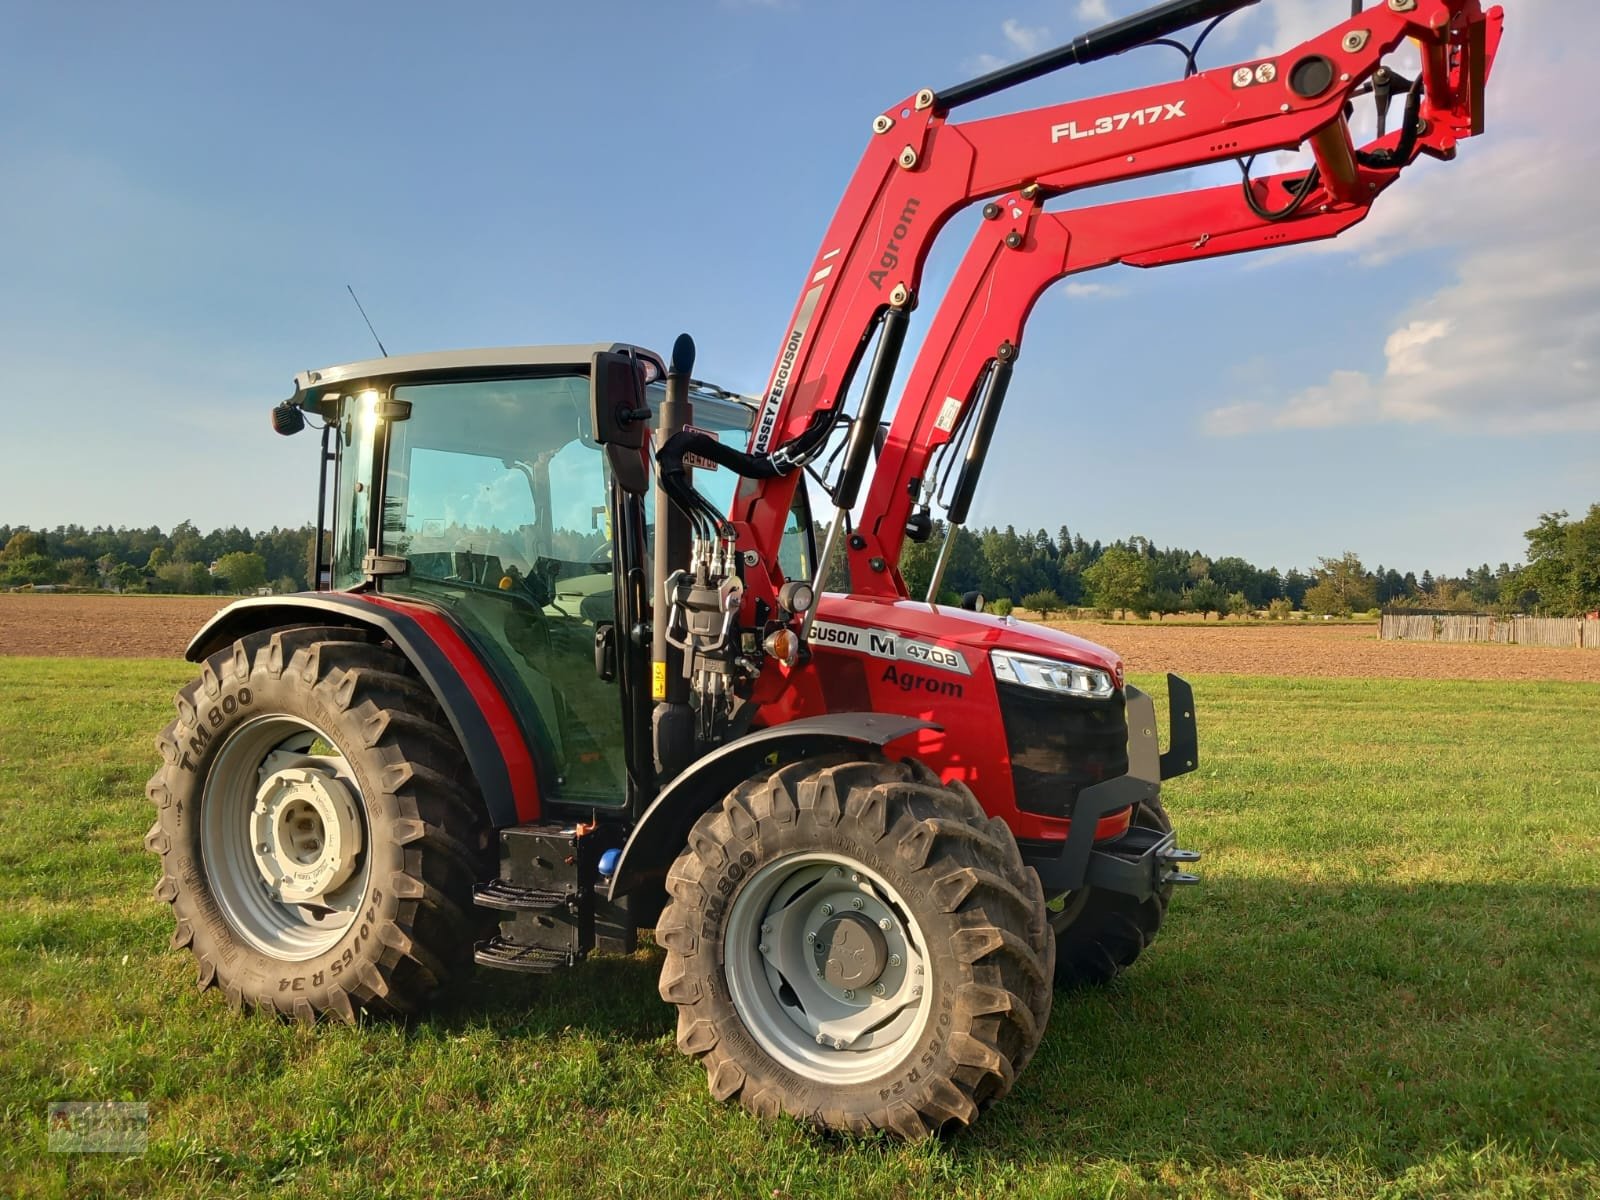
(658, 681)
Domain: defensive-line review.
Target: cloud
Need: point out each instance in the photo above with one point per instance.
(1078, 290)
(1025, 39)
(1510, 342)
(1093, 10)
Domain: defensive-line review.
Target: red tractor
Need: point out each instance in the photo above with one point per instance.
(515, 723)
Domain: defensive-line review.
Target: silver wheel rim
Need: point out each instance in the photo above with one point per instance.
(806, 1018)
(284, 838)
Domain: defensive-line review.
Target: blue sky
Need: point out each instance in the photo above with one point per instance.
(190, 187)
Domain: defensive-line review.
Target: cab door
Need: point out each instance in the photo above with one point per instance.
(500, 503)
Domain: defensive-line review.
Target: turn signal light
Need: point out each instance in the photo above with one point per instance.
(783, 645)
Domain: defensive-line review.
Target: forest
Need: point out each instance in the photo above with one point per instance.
(1032, 569)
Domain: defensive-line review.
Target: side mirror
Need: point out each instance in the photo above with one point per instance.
(619, 415)
(618, 412)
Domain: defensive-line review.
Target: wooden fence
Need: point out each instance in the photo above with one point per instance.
(1519, 631)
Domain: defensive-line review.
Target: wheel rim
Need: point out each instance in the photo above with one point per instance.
(827, 968)
(284, 838)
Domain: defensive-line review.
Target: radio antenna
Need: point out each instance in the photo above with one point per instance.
(367, 319)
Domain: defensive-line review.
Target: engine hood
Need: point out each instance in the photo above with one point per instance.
(974, 633)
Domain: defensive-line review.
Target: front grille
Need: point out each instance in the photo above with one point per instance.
(1061, 745)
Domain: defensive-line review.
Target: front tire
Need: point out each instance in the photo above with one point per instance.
(849, 942)
(318, 830)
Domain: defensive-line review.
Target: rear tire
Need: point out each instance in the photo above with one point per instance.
(318, 830)
(885, 846)
(1099, 934)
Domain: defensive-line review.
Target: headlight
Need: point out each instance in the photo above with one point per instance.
(1064, 679)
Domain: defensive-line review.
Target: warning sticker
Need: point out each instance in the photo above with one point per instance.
(948, 412)
(886, 643)
(658, 681)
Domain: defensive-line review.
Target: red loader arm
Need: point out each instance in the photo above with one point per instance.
(920, 168)
(1018, 253)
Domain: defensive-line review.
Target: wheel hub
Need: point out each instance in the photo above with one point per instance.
(305, 833)
(826, 968)
(851, 951)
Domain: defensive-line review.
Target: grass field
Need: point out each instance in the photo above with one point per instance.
(1388, 984)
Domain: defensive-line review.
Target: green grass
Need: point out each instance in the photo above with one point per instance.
(1388, 984)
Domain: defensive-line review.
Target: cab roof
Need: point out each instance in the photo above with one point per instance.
(311, 386)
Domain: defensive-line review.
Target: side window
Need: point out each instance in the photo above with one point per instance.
(459, 516)
(795, 554)
(354, 494)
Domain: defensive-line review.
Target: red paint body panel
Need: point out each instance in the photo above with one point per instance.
(502, 722)
(971, 745)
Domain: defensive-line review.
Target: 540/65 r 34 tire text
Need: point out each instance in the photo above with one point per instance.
(318, 832)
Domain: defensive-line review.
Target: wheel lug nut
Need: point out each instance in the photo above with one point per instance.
(858, 902)
(894, 960)
(822, 1039)
(811, 937)
(767, 928)
(885, 924)
(839, 1043)
(879, 990)
(855, 877)
(827, 910)
(917, 991)
(762, 947)
(819, 973)
(849, 993)
(918, 971)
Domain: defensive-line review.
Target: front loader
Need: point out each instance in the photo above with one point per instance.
(569, 675)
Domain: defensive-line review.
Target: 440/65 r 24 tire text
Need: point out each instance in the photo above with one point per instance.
(854, 943)
(318, 832)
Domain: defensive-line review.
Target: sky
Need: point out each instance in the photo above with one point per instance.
(188, 188)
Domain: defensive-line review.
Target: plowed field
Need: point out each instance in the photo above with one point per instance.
(160, 627)
(102, 626)
(1331, 650)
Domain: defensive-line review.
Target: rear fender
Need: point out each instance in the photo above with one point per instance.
(484, 724)
(663, 830)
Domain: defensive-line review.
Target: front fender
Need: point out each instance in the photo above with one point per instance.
(663, 830)
(491, 737)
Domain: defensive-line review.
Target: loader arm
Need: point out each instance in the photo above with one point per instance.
(921, 167)
(976, 335)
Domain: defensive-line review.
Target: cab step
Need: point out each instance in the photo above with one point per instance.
(547, 890)
(511, 897)
(511, 956)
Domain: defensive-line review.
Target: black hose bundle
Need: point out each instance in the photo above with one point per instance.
(796, 452)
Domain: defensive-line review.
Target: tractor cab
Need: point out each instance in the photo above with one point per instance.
(471, 481)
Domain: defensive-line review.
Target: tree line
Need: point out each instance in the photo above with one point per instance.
(185, 560)
(1040, 572)
(1031, 569)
